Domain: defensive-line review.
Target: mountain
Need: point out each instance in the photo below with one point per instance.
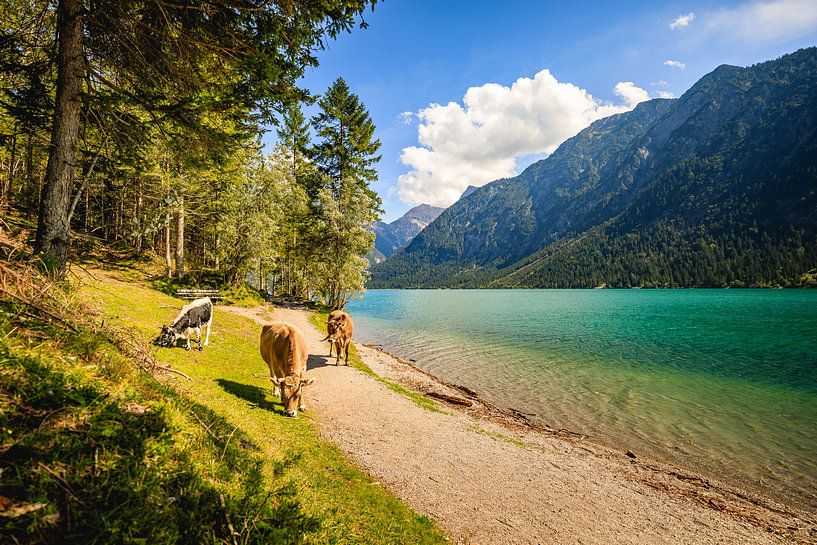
(390, 237)
(715, 188)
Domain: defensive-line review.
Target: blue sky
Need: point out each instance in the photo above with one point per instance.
(600, 59)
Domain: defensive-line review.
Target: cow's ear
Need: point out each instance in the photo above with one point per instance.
(307, 382)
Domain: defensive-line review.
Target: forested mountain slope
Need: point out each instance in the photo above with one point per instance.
(716, 188)
(390, 237)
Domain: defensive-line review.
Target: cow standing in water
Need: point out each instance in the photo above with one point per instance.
(283, 348)
(191, 318)
(339, 329)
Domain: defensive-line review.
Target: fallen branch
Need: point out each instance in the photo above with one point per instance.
(451, 399)
(170, 369)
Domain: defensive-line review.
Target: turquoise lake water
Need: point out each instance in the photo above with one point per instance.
(723, 382)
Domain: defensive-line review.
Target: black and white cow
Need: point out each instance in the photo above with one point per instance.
(191, 318)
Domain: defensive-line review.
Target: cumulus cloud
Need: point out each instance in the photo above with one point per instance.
(758, 22)
(675, 64)
(631, 94)
(480, 140)
(682, 21)
(666, 94)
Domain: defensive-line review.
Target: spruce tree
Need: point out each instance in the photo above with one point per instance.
(348, 150)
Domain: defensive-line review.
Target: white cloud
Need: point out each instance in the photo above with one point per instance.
(758, 22)
(406, 118)
(666, 94)
(480, 140)
(631, 94)
(675, 64)
(682, 21)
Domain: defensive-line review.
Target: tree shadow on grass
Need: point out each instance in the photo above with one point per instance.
(255, 395)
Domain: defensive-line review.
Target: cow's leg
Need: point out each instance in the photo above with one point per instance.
(198, 338)
(347, 351)
(207, 338)
(188, 341)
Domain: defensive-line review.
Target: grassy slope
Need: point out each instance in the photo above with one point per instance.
(352, 508)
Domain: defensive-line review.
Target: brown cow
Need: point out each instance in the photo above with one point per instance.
(283, 347)
(339, 329)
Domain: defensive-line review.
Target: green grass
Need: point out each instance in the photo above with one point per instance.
(500, 436)
(320, 316)
(93, 451)
(350, 506)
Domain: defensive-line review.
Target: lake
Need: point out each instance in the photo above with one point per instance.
(723, 382)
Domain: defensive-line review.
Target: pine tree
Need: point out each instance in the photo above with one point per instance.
(179, 61)
(348, 149)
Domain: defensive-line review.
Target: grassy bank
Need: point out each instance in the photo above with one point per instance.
(95, 451)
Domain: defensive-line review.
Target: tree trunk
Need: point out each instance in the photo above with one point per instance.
(137, 219)
(31, 192)
(180, 239)
(5, 199)
(167, 246)
(52, 239)
(218, 260)
(87, 211)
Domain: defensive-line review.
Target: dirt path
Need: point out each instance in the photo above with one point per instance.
(487, 480)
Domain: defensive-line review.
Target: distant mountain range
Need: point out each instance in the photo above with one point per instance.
(393, 236)
(715, 188)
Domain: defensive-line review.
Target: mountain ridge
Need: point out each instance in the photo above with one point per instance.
(718, 146)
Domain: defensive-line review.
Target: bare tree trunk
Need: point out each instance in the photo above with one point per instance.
(87, 211)
(167, 246)
(5, 198)
(31, 194)
(84, 184)
(137, 218)
(52, 240)
(180, 238)
(218, 261)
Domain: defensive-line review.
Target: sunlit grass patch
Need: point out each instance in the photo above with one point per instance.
(229, 380)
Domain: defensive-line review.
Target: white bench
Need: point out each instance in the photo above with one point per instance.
(215, 295)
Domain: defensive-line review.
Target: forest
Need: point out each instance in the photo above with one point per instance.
(140, 124)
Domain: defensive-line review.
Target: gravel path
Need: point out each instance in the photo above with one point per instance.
(489, 478)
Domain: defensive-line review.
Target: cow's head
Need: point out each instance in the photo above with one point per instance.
(291, 387)
(333, 331)
(167, 337)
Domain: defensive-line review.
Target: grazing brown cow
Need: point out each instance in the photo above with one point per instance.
(339, 329)
(283, 347)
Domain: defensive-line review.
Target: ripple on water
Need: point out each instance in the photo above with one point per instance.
(721, 381)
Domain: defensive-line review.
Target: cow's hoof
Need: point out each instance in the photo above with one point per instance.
(201, 349)
(187, 348)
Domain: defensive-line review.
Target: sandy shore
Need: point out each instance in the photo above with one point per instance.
(489, 476)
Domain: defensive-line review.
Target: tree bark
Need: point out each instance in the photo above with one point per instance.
(5, 200)
(180, 239)
(168, 262)
(218, 260)
(31, 192)
(137, 219)
(52, 239)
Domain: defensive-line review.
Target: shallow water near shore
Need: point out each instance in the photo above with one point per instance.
(723, 382)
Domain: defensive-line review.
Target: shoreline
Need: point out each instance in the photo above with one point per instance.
(652, 471)
(488, 475)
